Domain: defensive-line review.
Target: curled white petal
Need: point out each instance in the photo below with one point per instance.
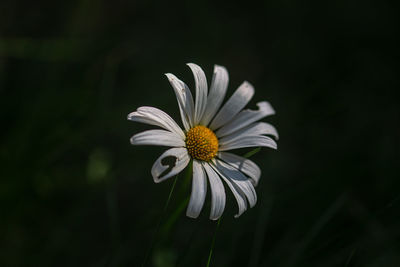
(246, 117)
(185, 100)
(249, 141)
(219, 85)
(201, 92)
(239, 196)
(240, 185)
(155, 116)
(239, 179)
(158, 138)
(244, 165)
(255, 129)
(199, 190)
(233, 106)
(218, 196)
(181, 161)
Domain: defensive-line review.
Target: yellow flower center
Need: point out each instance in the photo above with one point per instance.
(201, 143)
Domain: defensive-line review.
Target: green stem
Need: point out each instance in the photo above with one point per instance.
(213, 242)
(252, 153)
(159, 222)
(174, 216)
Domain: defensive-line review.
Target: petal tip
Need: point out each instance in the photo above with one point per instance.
(253, 204)
(132, 140)
(130, 115)
(194, 67)
(248, 85)
(156, 180)
(170, 76)
(214, 218)
(216, 66)
(192, 215)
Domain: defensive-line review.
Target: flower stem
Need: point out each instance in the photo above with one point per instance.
(213, 242)
(174, 216)
(252, 152)
(159, 222)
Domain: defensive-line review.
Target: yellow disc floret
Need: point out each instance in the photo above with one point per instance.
(201, 143)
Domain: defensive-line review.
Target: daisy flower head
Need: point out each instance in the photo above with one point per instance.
(209, 132)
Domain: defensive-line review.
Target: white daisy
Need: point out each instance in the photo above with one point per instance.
(209, 132)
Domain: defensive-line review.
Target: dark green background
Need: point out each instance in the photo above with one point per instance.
(74, 192)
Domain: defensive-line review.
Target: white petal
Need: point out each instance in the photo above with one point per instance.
(240, 185)
(237, 193)
(185, 100)
(158, 138)
(219, 84)
(199, 190)
(249, 141)
(239, 179)
(233, 106)
(218, 197)
(155, 116)
(201, 92)
(244, 165)
(182, 160)
(255, 129)
(246, 117)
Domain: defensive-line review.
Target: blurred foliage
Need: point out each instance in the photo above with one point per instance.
(98, 166)
(75, 193)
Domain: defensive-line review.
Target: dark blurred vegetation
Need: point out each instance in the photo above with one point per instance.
(74, 192)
